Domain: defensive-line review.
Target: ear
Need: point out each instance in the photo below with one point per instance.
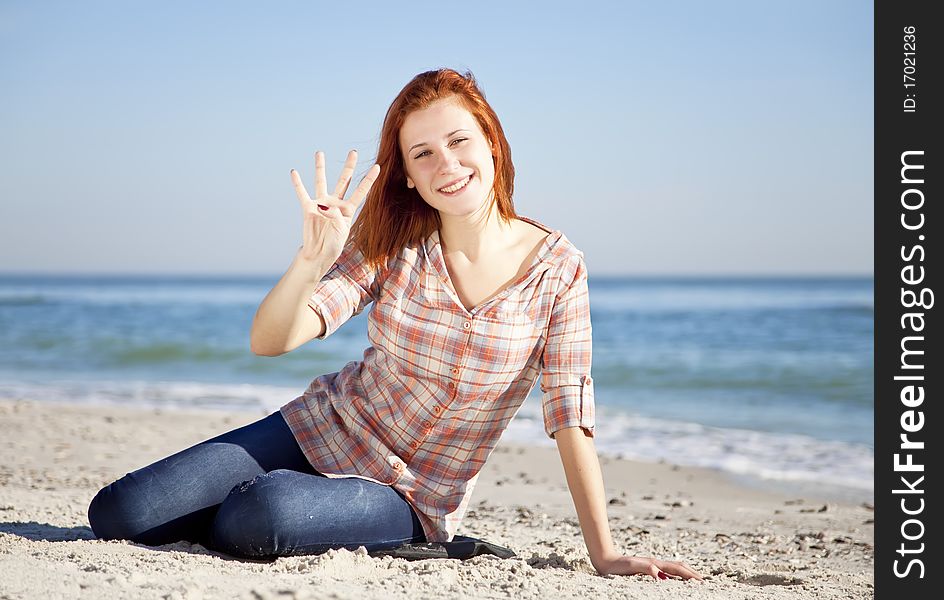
(409, 183)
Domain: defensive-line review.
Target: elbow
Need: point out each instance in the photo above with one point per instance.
(265, 352)
(260, 349)
(260, 344)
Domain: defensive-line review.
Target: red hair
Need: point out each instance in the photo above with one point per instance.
(395, 216)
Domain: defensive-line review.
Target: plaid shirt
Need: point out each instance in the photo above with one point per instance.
(429, 401)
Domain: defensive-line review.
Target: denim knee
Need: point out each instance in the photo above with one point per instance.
(286, 512)
(249, 522)
(128, 510)
(119, 511)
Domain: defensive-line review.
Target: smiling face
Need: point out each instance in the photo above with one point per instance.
(447, 158)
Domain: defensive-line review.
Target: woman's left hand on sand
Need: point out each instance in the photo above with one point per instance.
(635, 565)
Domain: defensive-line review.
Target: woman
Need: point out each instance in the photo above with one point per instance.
(471, 304)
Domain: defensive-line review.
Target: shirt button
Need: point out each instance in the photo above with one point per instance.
(455, 371)
(427, 425)
(466, 325)
(415, 445)
(398, 466)
(452, 384)
(437, 409)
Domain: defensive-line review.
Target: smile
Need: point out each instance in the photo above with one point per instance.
(455, 187)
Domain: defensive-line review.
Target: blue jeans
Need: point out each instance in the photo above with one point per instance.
(252, 493)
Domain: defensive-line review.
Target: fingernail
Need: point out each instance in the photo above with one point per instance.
(663, 575)
(322, 207)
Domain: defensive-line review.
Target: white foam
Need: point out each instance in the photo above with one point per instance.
(764, 455)
(155, 394)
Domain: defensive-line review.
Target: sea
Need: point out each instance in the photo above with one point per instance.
(768, 379)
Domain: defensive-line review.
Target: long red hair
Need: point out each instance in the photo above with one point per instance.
(395, 216)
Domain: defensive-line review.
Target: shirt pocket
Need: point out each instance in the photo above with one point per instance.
(419, 335)
(507, 344)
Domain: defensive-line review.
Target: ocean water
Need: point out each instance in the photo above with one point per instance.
(770, 379)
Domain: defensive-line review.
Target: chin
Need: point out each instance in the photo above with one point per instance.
(463, 209)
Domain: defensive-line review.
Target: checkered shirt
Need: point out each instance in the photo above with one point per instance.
(439, 384)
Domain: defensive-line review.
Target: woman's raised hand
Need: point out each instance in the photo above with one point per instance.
(327, 219)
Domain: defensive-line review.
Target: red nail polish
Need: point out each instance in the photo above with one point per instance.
(322, 207)
(663, 575)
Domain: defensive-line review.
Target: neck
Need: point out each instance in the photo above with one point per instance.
(475, 236)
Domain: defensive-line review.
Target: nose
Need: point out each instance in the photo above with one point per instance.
(448, 161)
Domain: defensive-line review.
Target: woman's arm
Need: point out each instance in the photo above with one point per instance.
(284, 321)
(585, 480)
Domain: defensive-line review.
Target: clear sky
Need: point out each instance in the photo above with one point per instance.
(663, 138)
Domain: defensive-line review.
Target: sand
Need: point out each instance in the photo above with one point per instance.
(748, 543)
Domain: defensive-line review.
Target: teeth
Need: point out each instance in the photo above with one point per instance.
(456, 187)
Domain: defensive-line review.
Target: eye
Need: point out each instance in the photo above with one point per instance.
(457, 140)
(421, 154)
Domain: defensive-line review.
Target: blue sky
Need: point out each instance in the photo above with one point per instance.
(664, 138)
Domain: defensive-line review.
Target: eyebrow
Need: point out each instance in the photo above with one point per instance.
(450, 134)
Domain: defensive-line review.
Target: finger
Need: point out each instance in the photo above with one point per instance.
(321, 183)
(328, 202)
(688, 573)
(303, 198)
(363, 187)
(346, 173)
(680, 570)
(654, 571)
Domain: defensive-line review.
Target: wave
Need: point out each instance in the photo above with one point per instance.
(775, 457)
(22, 300)
(171, 353)
(779, 457)
(155, 394)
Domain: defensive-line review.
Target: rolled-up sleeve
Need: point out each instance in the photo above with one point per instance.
(344, 291)
(565, 375)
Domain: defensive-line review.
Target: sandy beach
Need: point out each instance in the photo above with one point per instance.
(747, 543)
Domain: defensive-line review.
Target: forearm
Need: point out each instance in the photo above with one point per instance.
(585, 480)
(283, 320)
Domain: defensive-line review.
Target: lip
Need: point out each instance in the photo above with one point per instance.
(454, 182)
